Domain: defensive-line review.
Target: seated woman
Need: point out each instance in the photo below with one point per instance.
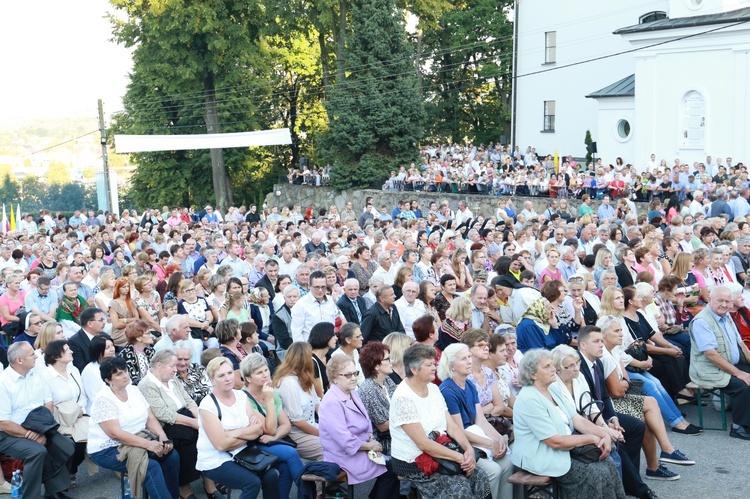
(456, 321)
(345, 432)
(397, 343)
(350, 341)
(484, 378)
(377, 389)
(466, 410)
(665, 361)
(538, 327)
(543, 425)
(639, 406)
(227, 423)
(68, 396)
(276, 425)
(100, 348)
(228, 333)
(323, 340)
(417, 411)
(192, 376)
(139, 350)
(294, 384)
(119, 416)
(49, 332)
(496, 359)
(176, 411)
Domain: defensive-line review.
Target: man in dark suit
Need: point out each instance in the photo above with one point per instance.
(351, 304)
(382, 319)
(92, 324)
(269, 279)
(591, 349)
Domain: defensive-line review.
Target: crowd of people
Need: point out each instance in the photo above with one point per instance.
(434, 351)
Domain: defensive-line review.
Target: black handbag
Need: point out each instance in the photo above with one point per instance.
(181, 434)
(251, 457)
(154, 455)
(636, 387)
(446, 466)
(586, 454)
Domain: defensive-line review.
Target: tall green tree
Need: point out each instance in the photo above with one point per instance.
(198, 67)
(58, 173)
(376, 113)
(467, 84)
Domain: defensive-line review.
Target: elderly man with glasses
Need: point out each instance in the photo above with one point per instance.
(410, 308)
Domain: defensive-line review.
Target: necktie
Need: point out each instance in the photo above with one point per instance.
(356, 308)
(597, 382)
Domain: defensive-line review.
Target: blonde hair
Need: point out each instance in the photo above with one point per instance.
(397, 343)
(460, 309)
(607, 302)
(215, 364)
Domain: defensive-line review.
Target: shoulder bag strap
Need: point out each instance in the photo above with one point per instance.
(260, 409)
(217, 405)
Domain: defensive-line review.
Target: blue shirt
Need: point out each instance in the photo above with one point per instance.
(606, 211)
(461, 401)
(34, 301)
(705, 338)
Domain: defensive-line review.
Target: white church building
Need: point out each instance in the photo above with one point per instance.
(663, 77)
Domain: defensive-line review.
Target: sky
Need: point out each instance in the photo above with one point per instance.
(57, 60)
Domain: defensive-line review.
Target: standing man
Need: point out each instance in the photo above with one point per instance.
(44, 455)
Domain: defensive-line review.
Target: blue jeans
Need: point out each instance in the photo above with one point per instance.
(289, 466)
(653, 388)
(236, 477)
(162, 479)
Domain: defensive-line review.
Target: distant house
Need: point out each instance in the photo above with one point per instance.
(667, 77)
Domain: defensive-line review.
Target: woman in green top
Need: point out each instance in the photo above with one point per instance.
(257, 378)
(234, 306)
(585, 209)
(71, 305)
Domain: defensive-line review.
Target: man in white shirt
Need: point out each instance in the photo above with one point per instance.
(313, 308)
(43, 454)
(464, 213)
(240, 267)
(177, 333)
(410, 308)
(288, 264)
(386, 268)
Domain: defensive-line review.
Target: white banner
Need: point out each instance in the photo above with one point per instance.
(149, 143)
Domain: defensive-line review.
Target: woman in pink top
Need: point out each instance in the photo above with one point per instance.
(551, 272)
(11, 300)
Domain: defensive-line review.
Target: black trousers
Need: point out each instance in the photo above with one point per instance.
(630, 453)
(386, 486)
(671, 371)
(739, 394)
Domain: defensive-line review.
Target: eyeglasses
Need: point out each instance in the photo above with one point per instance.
(575, 279)
(482, 344)
(35, 323)
(574, 365)
(349, 375)
(190, 290)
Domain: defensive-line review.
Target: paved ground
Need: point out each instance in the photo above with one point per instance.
(721, 462)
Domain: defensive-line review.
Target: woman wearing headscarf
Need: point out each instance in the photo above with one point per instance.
(538, 327)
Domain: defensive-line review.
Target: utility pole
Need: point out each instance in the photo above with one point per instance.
(105, 159)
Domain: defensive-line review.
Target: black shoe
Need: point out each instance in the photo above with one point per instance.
(649, 494)
(738, 431)
(690, 430)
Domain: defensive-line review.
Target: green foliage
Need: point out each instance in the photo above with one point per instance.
(376, 113)
(466, 88)
(58, 173)
(588, 140)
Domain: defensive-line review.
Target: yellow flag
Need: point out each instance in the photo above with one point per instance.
(12, 218)
(557, 162)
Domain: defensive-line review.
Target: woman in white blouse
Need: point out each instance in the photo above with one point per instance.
(66, 386)
(293, 381)
(49, 332)
(121, 415)
(100, 348)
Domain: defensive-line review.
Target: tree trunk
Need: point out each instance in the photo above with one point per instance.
(222, 188)
(341, 43)
(324, 61)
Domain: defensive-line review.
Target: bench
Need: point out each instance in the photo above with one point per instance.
(699, 394)
(535, 484)
(341, 478)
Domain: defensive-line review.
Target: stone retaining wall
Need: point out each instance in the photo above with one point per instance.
(324, 197)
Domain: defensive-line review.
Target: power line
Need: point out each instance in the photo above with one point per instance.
(63, 143)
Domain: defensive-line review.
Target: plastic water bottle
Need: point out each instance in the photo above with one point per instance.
(126, 494)
(16, 482)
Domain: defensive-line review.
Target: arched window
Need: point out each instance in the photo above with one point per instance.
(652, 16)
(693, 120)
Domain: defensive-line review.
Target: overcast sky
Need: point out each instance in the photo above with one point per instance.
(57, 59)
